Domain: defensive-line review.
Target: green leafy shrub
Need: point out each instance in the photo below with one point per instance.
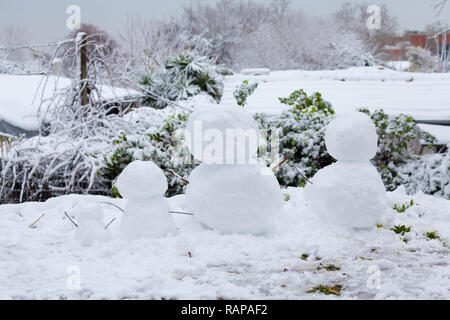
(183, 75)
(242, 92)
(302, 131)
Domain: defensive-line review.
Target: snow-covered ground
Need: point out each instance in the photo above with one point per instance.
(425, 96)
(40, 260)
(302, 253)
(21, 97)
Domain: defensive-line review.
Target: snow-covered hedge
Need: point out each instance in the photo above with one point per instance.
(302, 137)
(429, 174)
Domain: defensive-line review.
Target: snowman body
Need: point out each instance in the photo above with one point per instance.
(91, 228)
(147, 214)
(349, 192)
(230, 191)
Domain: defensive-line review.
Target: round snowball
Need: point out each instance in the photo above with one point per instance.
(352, 136)
(234, 199)
(141, 179)
(349, 194)
(222, 135)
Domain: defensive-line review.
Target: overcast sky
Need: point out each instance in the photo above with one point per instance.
(46, 19)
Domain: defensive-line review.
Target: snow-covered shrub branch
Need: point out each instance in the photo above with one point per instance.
(182, 76)
(243, 91)
(429, 174)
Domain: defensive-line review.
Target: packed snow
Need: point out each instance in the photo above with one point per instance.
(198, 263)
(352, 136)
(349, 192)
(234, 198)
(144, 184)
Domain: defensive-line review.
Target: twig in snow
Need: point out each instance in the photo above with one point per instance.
(34, 223)
(177, 175)
(111, 204)
(107, 226)
(71, 219)
(303, 176)
(281, 163)
(185, 213)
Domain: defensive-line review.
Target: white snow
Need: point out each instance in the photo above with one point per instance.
(422, 95)
(91, 227)
(352, 136)
(37, 263)
(141, 179)
(234, 198)
(348, 193)
(21, 96)
(442, 133)
(144, 184)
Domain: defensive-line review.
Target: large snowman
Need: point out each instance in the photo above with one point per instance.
(350, 192)
(230, 191)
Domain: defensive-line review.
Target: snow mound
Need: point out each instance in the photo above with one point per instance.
(352, 136)
(90, 228)
(222, 135)
(141, 179)
(350, 194)
(235, 198)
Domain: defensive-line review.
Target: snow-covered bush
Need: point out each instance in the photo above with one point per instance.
(429, 174)
(421, 60)
(11, 67)
(245, 90)
(160, 143)
(396, 135)
(302, 135)
(183, 75)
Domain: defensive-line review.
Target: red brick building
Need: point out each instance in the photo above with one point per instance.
(397, 46)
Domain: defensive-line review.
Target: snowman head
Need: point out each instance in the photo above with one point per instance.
(222, 135)
(141, 179)
(352, 136)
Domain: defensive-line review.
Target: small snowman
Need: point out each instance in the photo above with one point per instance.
(91, 227)
(143, 184)
(230, 191)
(350, 192)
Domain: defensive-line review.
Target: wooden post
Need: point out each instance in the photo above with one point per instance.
(84, 89)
